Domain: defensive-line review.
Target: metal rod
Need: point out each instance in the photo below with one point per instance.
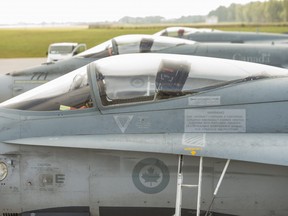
(199, 186)
(221, 177)
(218, 186)
(179, 187)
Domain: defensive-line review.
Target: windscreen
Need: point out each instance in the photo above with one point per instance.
(103, 49)
(68, 92)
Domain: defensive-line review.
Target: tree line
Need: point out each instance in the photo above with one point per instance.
(258, 12)
(253, 12)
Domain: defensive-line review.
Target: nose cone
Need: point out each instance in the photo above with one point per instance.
(6, 87)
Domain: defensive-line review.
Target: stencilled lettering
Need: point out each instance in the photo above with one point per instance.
(224, 120)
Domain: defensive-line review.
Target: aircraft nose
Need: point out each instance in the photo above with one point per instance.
(6, 85)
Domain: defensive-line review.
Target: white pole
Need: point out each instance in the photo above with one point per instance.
(199, 186)
(179, 187)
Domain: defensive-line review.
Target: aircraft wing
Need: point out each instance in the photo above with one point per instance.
(250, 147)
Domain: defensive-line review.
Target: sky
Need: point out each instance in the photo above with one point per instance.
(62, 11)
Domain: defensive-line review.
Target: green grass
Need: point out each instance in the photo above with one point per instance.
(34, 42)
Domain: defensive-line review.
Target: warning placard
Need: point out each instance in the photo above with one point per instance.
(215, 120)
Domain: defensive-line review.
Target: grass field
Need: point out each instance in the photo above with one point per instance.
(19, 43)
(33, 42)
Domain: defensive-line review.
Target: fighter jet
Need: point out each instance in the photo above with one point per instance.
(218, 36)
(148, 134)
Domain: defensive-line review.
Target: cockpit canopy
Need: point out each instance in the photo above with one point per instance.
(181, 31)
(138, 43)
(138, 78)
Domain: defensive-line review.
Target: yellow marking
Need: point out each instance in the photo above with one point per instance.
(193, 151)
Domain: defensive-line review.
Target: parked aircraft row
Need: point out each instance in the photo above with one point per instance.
(148, 125)
(216, 36)
(15, 83)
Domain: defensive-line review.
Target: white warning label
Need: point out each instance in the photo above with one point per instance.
(204, 100)
(215, 120)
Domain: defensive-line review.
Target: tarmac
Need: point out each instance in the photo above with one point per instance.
(15, 64)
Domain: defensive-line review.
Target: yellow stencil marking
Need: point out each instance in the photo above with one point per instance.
(193, 151)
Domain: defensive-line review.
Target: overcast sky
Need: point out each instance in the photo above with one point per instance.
(38, 11)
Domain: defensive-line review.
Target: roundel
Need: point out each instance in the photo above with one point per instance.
(150, 175)
(137, 82)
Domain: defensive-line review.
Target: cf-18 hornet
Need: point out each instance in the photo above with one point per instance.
(148, 134)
